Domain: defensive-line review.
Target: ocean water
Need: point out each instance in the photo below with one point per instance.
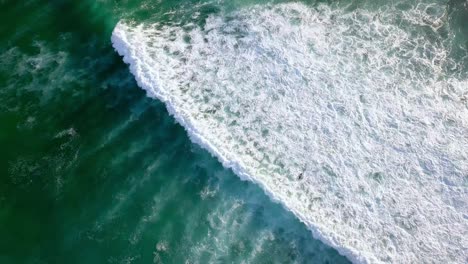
(265, 132)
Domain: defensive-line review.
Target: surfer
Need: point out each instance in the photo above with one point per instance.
(301, 175)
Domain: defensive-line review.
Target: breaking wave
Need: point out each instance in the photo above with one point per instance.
(356, 121)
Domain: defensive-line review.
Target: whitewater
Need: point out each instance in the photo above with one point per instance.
(356, 121)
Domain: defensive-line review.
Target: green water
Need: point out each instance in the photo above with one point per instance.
(93, 171)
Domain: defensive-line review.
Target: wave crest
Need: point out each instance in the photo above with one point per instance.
(348, 119)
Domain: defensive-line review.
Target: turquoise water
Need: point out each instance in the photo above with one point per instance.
(94, 171)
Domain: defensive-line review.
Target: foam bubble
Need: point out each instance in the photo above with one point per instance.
(350, 119)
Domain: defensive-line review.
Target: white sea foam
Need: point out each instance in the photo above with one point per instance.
(349, 120)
